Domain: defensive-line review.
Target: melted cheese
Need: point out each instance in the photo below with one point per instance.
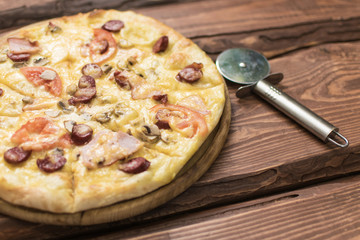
(79, 187)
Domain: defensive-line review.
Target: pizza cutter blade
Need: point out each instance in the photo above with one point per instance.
(252, 70)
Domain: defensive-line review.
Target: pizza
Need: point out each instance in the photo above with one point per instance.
(100, 107)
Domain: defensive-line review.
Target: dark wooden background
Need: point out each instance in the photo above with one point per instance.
(273, 179)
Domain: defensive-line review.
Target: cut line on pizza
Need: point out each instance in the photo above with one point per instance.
(100, 107)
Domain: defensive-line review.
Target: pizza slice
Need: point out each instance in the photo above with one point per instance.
(30, 158)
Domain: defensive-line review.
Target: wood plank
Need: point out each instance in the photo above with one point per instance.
(329, 210)
(5, 5)
(277, 41)
(259, 24)
(278, 167)
(19, 13)
(215, 17)
(208, 16)
(265, 151)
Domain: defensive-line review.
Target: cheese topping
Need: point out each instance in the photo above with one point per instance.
(116, 47)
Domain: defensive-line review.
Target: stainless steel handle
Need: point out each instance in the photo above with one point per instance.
(299, 113)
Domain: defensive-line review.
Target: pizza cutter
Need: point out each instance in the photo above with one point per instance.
(252, 70)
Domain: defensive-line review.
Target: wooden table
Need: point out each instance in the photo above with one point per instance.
(273, 179)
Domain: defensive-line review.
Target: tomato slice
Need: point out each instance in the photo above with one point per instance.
(40, 134)
(102, 47)
(32, 74)
(180, 117)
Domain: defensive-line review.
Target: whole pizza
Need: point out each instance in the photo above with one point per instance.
(100, 107)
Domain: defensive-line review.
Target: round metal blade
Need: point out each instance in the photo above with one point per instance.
(241, 65)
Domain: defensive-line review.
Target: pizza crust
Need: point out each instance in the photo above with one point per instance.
(51, 193)
(75, 188)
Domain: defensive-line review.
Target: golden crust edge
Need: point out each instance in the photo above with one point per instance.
(47, 199)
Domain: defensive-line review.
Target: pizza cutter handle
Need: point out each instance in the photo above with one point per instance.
(299, 113)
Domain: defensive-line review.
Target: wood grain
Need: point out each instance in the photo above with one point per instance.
(265, 152)
(260, 24)
(255, 24)
(242, 15)
(324, 211)
(35, 10)
(278, 41)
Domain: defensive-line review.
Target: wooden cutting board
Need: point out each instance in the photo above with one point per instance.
(190, 173)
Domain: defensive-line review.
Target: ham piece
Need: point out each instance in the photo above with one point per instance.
(195, 103)
(107, 147)
(22, 45)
